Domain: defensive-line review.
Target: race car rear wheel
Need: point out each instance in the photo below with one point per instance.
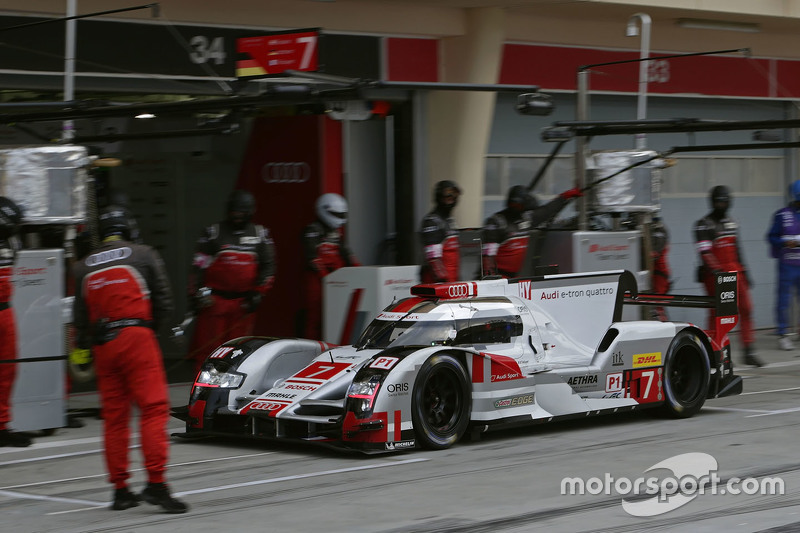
(440, 404)
(686, 376)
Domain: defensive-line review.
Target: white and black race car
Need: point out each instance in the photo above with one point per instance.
(469, 357)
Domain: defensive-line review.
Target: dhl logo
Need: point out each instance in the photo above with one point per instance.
(646, 359)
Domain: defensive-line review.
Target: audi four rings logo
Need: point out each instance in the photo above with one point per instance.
(455, 291)
(286, 172)
(260, 405)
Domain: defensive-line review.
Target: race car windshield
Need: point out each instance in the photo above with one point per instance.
(381, 334)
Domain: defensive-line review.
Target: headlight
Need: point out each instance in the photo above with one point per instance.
(211, 377)
(364, 392)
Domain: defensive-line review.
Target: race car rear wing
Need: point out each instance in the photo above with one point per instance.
(724, 302)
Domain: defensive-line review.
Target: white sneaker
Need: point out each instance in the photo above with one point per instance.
(785, 343)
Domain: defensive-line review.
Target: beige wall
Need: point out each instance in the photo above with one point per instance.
(588, 23)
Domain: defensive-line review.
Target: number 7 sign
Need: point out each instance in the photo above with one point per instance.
(644, 386)
(276, 53)
(321, 370)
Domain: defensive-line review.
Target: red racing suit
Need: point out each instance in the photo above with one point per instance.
(506, 234)
(325, 252)
(440, 248)
(8, 329)
(717, 243)
(661, 283)
(121, 296)
(238, 265)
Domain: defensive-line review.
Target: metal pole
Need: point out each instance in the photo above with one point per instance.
(68, 133)
(633, 30)
(582, 113)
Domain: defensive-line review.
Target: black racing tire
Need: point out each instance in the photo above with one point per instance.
(441, 402)
(686, 376)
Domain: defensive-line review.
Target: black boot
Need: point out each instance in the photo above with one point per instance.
(10, 438)
(124, 499)
(750, 357)
(158, 494)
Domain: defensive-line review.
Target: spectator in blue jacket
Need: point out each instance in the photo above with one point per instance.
(784, 240)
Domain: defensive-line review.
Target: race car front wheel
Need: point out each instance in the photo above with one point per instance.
(686, 376)
(441, 402)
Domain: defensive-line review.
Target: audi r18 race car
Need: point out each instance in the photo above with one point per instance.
(469, 357)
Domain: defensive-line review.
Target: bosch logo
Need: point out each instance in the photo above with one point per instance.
(458, 291)
(726, 279)
(292, 172)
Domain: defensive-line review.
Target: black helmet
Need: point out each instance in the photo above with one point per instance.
(518, 194)
(117, 197)
(441, 190)
(10, 217)
(241, 207)
(114, 220)
(720, 193)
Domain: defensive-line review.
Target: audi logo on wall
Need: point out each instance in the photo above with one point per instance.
(286, 172)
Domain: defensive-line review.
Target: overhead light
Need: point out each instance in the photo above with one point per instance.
(145, 115)
(724, 25)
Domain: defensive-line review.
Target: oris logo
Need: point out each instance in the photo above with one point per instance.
(286, 172)
(458, 291)
(397, 387)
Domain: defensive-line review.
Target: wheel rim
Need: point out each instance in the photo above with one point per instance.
(441, 401)
(685, 374)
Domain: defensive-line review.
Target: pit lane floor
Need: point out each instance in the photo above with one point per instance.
(506, 481)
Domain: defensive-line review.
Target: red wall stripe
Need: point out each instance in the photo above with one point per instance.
(412, 59)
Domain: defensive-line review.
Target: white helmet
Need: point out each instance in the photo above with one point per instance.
(332, 210)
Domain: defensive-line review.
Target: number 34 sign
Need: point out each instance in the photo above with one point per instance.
(273, 54)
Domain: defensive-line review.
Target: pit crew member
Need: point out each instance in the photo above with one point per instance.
(122, 296)
(10, 217)
(505, 235)
(439, 236)
(325, 251)
(784, 240)
(717, 242)
(232, 269)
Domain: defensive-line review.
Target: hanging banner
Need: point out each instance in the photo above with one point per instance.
(276, 53)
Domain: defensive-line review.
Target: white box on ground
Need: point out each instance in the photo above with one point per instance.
(39, 397)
